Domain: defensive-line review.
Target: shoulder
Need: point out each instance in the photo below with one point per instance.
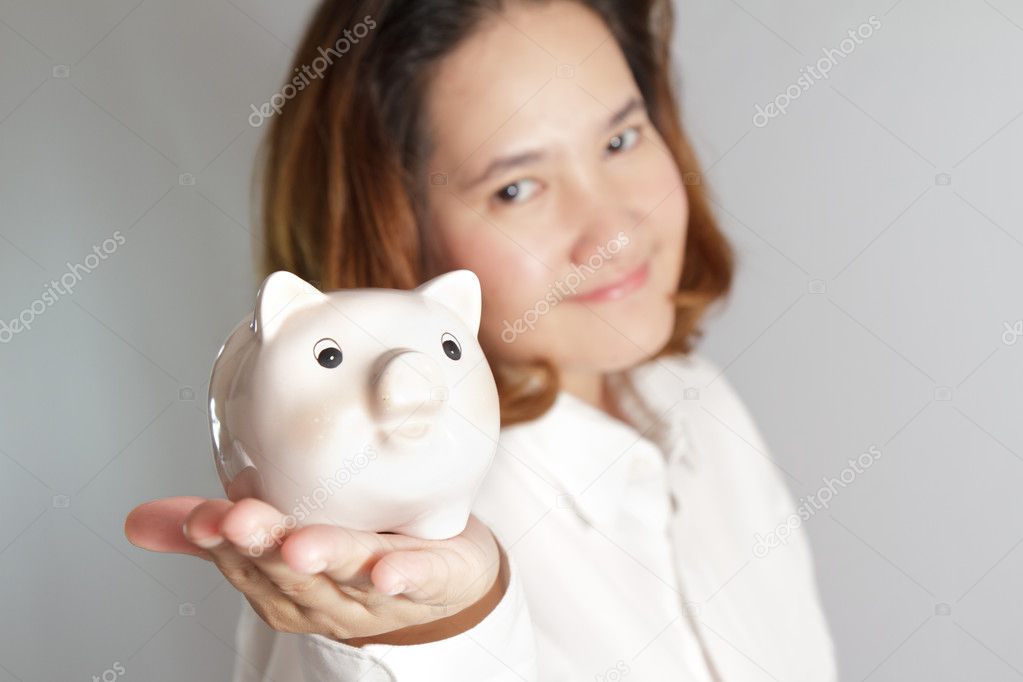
(678, 383)
(725, 437)
(737, 506)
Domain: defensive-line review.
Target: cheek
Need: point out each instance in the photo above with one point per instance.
(512, 273)
(512, 282)
(669, 222)
(660, 207)
(658, 188)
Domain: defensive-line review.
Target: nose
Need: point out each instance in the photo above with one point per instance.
(408, 390)
(602, 215)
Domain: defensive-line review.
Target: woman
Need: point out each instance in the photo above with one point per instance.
(618, 533)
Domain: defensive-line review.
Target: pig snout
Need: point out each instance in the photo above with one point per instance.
(408, 391)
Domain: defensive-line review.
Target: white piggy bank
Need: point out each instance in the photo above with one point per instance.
(372, 409)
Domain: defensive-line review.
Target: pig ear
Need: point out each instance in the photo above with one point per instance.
(280, 294)
(460, 291)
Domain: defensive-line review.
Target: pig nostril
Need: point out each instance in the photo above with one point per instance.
(414, 430)
(408, 385)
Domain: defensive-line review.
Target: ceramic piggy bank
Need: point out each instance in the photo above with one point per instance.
(372, 409)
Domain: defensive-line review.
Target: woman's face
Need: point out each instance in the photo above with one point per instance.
(548, 181)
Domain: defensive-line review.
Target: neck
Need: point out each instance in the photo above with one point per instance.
(588, 387)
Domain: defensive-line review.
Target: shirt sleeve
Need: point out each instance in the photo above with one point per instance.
(499, 648)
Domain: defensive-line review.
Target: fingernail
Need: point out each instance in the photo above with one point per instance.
(205, 543)
(397, 588)
(208, 542)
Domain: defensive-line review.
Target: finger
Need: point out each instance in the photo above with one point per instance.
(203, 525)
(280, 599)
(256, 528)
(278, 610)
(429, 576)
(454, 571)
(431, 572)
(157, 525)
(345, 555)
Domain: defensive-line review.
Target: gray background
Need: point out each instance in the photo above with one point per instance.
(877, 223)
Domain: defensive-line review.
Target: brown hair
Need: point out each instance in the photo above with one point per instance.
(343, 164)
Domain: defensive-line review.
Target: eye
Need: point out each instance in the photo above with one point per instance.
(624, 140)
(327, 353)
(517, 192)
(450, 346)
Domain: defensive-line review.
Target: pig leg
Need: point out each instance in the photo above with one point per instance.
(438, 525)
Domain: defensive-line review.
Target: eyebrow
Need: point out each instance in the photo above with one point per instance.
(504, 163)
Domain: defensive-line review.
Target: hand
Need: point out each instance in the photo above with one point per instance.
(329, 580)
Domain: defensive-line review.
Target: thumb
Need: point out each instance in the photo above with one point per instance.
(423, 575)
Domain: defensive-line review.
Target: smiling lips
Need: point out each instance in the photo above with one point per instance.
(619, 289)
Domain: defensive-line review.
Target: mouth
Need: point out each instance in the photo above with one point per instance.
(627, 284)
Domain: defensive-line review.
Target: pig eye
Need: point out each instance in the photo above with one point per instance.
(327, 353)
(450, 346)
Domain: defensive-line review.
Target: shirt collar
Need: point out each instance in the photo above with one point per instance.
(659, 398)
(587, 456)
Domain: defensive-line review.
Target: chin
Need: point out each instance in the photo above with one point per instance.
(645, 331)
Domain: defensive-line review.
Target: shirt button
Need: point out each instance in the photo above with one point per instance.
(643, 464)
(637, 467)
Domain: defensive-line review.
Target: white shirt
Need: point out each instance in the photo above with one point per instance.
(632, 555)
